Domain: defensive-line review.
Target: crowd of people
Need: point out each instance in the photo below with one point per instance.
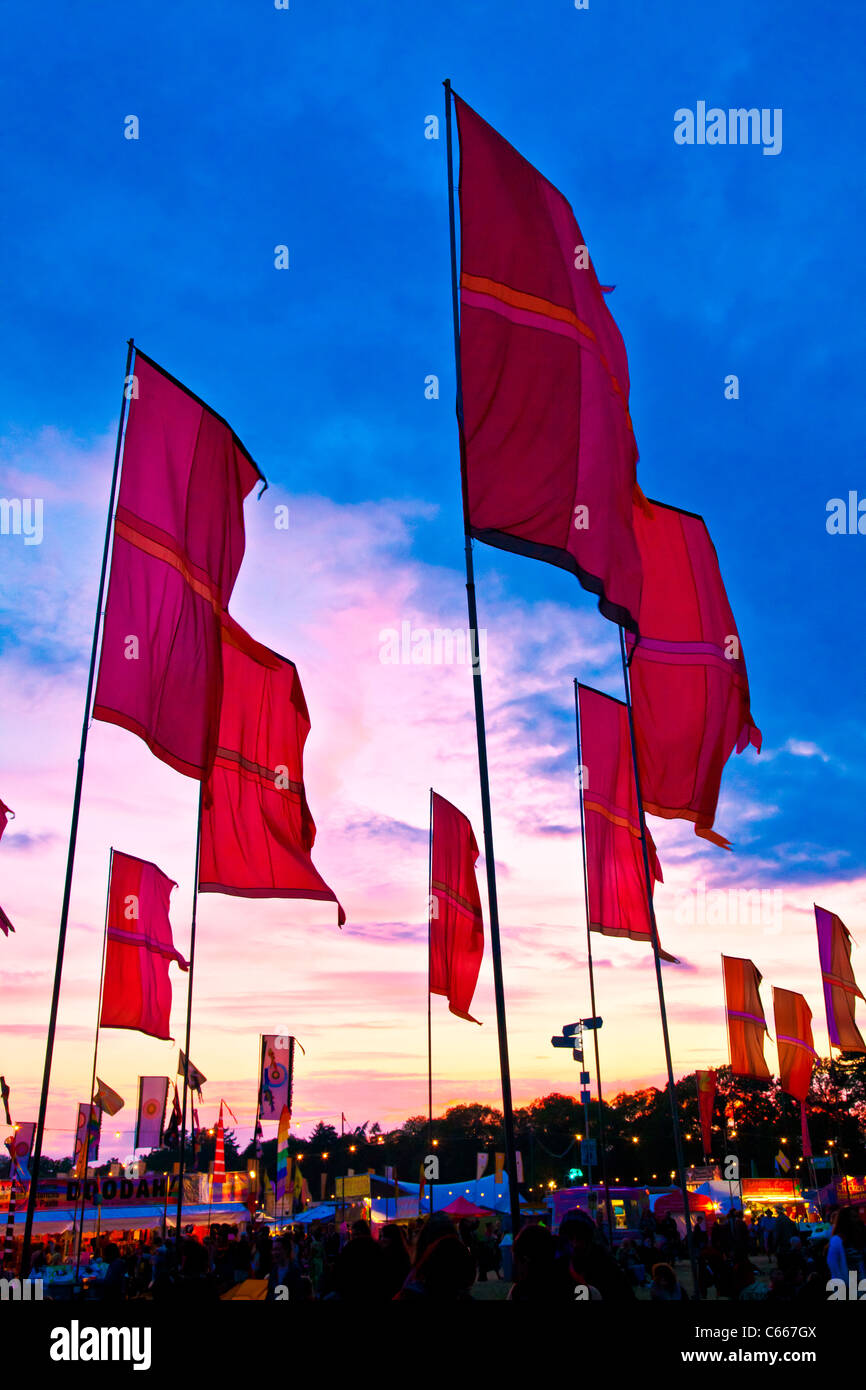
(442, 1259)
(798, 1263)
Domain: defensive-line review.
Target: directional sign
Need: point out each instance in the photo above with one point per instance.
(588, 1153)
(560, 1042)
(569, 1029)
(584, 1078)
(590, 1023)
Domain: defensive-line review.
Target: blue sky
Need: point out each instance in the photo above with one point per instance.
(260, 127)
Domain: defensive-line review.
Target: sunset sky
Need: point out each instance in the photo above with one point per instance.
(307, 128)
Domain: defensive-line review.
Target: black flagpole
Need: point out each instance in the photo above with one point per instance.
(73, 836)
(429, 982)
(675, 1121)
(495, 948)
(93, 1075)
(607, 1202)
(188, 1025)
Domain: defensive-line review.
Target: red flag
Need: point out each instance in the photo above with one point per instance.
(797, 1054)
(840, 987)
(178, 546)
(549, 450)
(616, 876)
(137, 990)
(706, 1083)
(456, 923)
(257, 830)
(5, 925)
(745, 1018)
(690, 691)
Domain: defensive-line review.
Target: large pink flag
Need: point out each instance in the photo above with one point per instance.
(615, 870)
(456, 923)
(257, 830)
(136, 991)
(690, 691)
(178, 546)
(550, 453)
(841, 990)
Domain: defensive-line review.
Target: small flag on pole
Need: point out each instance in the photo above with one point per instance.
(783, 1163)
(195, 1078)
(106, 1099)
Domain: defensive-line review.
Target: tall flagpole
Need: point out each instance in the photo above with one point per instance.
(73, 836)
(675, 1120)
(95, 1051)
(188, 1023)
(607, 1202)
(495, 948)
(430, 981)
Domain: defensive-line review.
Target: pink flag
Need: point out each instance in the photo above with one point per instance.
(549, 448)
(136, 992)
(178, 546)
(257, 830)
(616, 874)
(456, 923)
(841, 990)
(690, 691)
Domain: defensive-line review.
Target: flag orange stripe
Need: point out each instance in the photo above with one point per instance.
(531, 303)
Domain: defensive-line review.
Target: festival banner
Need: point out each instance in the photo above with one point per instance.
(20, 1146)
(549, 450)
(283, 1132)
(840, 988)
(745, 1018)
(178, 547)
(689, 687)
(87, 1134)
(106, 1099)
(481, 1161)
(150, 1115)
(257, 829)
(706, 1084)
(456, 922)
(275, 1076)
(139, 948)
(616, 875)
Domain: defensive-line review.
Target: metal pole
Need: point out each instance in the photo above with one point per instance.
(95, 1050)
(429, 982)
(481, 736)
(188, 1022)
(73, 837)
(607, 1201)
(675, 1119)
